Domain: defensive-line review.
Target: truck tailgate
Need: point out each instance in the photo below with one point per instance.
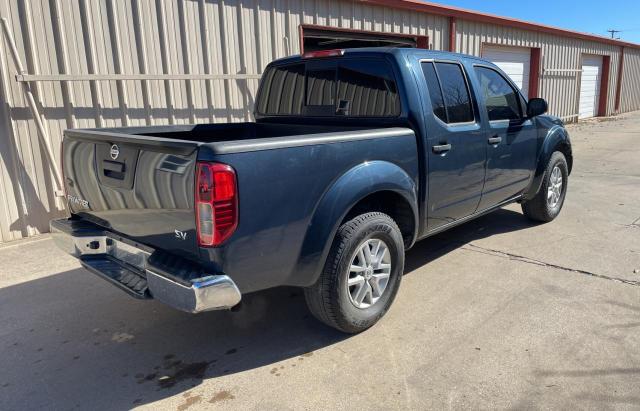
(139, 186)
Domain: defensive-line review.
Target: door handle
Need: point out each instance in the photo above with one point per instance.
(441, 148)
(495, 140)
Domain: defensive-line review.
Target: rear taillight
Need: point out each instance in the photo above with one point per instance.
(216, 203)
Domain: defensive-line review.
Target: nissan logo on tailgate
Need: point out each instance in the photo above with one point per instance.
(114, 152)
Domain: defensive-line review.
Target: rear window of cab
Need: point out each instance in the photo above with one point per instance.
(343, 88)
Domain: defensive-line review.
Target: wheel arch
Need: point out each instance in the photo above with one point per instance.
(557, 139)
(379, 184)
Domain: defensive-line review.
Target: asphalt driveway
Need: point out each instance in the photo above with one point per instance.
(498, 313)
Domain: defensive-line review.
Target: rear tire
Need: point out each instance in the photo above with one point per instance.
(547, 203)
(351, 294)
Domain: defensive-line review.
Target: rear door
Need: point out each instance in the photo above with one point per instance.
(456, 143)
(138, 186)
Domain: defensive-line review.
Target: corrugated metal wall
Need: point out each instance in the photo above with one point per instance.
(630, 93)
(222, 46)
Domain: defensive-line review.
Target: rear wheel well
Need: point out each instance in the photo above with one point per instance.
(392, 204)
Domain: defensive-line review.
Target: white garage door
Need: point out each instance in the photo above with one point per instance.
(590, 86)
(512, 60)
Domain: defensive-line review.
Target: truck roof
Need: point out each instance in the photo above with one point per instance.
(394, 51)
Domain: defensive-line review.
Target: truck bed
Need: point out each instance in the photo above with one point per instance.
(146, 193)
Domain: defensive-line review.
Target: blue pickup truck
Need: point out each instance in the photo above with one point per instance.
(354, 156)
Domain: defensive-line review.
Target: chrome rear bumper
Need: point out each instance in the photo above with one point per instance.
(128, 266)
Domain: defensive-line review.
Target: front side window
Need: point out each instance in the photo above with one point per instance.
(500, 97)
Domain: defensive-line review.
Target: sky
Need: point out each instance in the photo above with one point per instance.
(589, 16)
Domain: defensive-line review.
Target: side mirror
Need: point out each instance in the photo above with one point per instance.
(536, 107)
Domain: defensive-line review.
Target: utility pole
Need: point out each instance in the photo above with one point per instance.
(613, 32)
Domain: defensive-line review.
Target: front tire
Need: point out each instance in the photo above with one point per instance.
(547, 203)
(361, 276)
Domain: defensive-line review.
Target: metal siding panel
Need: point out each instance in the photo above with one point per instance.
(12, 219)
(630, 91)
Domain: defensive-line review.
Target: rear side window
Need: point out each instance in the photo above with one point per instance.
(448, 86)
(350, 88)
(435, 93)
(456, 92)
(501, 99)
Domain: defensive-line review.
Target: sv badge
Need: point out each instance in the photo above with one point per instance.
(182, 235)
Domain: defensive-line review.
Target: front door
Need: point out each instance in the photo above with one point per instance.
(510, 138)
(456, 144)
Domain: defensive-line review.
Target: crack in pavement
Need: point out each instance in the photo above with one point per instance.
(581, 235)
(524, 259)
(603, 173)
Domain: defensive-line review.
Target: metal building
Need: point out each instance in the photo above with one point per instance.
(94, 63)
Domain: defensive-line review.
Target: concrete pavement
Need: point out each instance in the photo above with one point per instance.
(498, 313)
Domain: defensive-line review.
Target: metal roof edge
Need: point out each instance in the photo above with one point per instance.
(470, 15)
